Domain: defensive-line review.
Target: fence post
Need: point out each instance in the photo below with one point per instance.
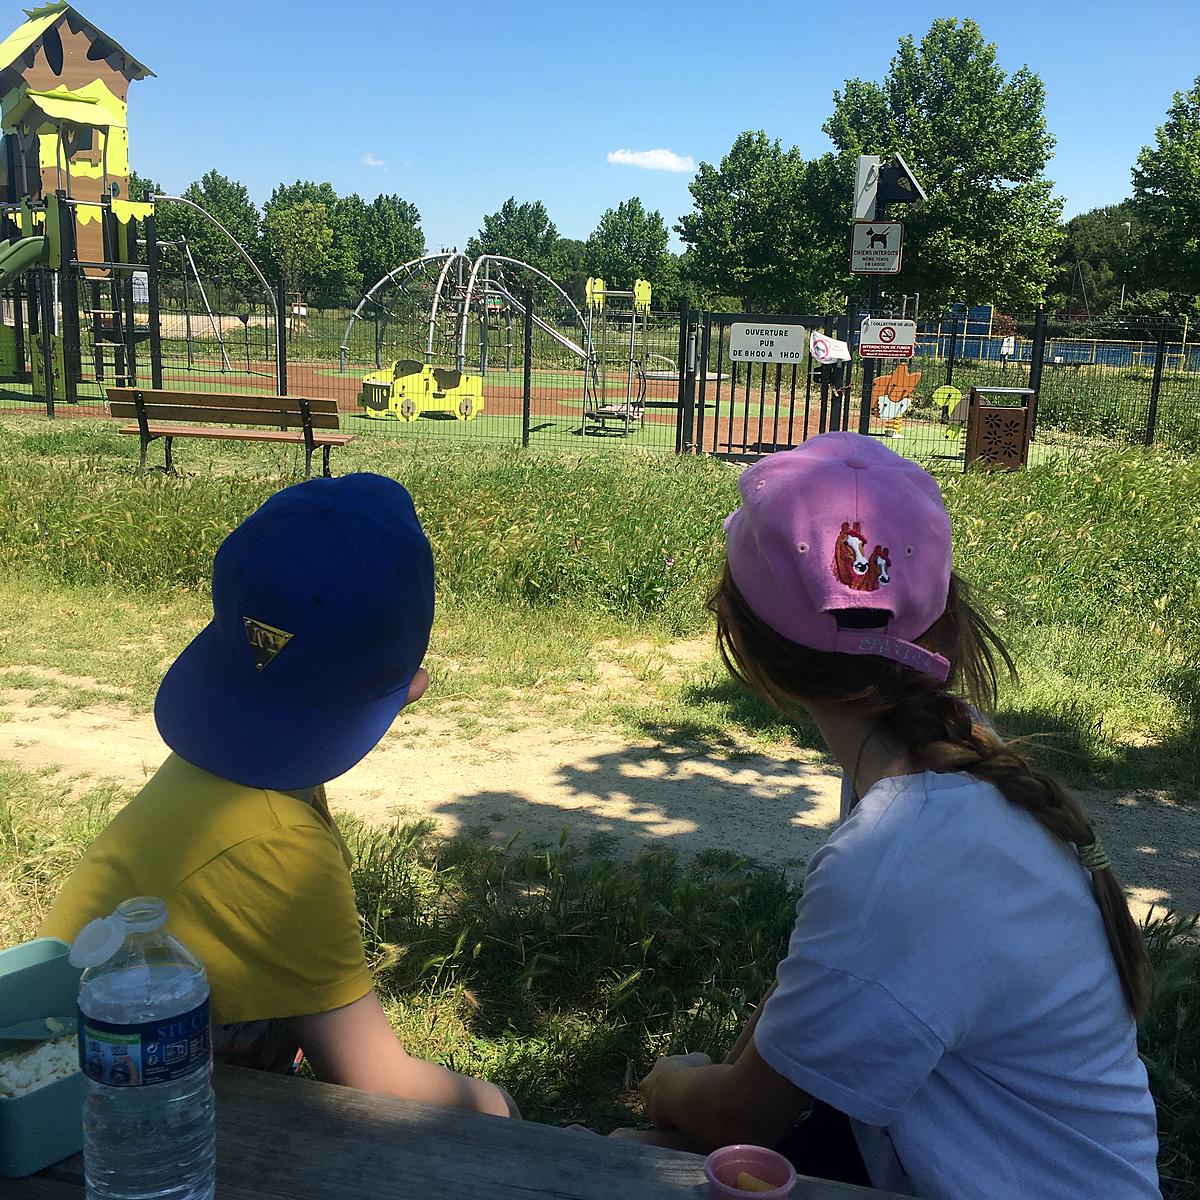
(68, 299)
(1160, 358)
(156, 371)
(953, 349)
(685, 437)
(527, 388)
(281, 319)
(1037, 360)
(47, 315)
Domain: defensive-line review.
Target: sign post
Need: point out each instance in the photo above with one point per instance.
(876, 249)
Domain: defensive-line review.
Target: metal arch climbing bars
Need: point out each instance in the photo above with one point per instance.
(453, 257)
(240, 249)
(390, 277)
(515, 262)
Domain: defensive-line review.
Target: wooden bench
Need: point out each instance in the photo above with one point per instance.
(296, 419)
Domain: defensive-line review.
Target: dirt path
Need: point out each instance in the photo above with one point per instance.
(537, 782)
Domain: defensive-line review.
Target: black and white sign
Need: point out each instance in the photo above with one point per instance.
(887, 339)
(875, 247)
(766, 341)
(1008, 347)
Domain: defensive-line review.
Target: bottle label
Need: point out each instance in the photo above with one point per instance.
(140, 1055)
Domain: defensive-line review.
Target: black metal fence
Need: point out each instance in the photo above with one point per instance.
(535, 373)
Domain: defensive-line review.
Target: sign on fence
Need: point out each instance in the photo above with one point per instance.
(887, 339)
(766, 341)
(875, 247)
(826, 349)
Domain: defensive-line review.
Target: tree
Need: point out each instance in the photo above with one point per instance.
(337, 277)
(388, 234)
(977, 140)
(141, 187)
(571, 258)
(755, 232)
(1099, 253)
(522, 231)
(1166, 195)
(229, 202)
(299, 239)
(630, 243)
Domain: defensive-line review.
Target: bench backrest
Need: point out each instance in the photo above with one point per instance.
(222, 408)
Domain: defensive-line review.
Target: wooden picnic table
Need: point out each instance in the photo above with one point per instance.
(283, 1138)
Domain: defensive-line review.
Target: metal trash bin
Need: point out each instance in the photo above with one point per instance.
(1000, 426)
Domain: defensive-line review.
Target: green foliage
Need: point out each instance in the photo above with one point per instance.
(142, 188)
(1094, 259)
(522, 231)
(299, 238)
(334, 273)
(387, 234)
(754, 231)
(571, 254)
(229, 202)
(630, 243)
(1166, 195)
(977, 140)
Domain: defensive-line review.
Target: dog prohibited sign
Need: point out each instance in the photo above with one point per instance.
(887, 339)
(766, 341)
(875, 247)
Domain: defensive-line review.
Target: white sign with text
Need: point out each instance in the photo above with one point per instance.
(875, 247)
(766, 341)
(887, 339)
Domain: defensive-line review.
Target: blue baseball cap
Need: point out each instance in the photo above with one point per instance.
(322, 607)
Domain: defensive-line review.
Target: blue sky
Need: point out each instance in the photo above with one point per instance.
(458, 104)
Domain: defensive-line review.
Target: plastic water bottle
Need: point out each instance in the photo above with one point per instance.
(146, 1053)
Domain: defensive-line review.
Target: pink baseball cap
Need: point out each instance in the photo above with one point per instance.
(844, 524)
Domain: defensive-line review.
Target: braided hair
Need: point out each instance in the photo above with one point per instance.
(937, 724)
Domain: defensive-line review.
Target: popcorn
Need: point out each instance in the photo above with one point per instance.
(24, 1071)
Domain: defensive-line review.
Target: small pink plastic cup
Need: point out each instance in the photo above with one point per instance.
(722, 1167)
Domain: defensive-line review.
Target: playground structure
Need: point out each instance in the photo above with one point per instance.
(447, 308)
(81, 266)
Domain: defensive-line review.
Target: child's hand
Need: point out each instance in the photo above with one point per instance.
(657, 1086)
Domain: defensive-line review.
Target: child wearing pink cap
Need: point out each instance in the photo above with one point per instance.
(962, 982)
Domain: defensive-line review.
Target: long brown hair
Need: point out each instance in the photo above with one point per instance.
(935, 725)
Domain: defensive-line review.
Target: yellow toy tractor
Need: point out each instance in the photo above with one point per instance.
(407, 388)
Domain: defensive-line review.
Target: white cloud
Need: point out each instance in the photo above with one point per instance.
(653, 160)
(369, 160)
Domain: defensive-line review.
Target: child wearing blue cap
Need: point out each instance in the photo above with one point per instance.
(322, 609)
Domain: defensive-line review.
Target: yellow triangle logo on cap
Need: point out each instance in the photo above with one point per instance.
(265, 641)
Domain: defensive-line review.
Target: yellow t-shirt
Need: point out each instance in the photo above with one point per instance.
(257, 886)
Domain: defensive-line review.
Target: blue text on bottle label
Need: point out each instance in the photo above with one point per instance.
(140, 1055)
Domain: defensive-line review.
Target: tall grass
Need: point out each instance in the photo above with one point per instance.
(1088, 564)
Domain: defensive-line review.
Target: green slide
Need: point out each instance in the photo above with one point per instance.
(19, 256)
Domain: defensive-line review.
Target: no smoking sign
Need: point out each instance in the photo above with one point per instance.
(887, 339)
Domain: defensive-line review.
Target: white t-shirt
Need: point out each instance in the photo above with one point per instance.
(950, 988)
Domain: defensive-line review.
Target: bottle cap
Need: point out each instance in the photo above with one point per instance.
(97, 941)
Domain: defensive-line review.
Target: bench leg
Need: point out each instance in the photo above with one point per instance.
(142, 456)
(325, 459)
(170, 465)
(308, 462)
